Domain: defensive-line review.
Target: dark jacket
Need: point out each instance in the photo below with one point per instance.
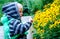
(15, 26)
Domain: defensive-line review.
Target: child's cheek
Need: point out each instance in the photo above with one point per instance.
(21, 14)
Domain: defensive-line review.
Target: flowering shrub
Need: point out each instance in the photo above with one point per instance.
(47, 22)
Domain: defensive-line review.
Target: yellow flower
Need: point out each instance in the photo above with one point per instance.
(49, 14)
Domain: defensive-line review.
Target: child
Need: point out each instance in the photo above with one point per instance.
(15, 10)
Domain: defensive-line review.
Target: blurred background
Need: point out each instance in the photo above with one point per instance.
(46, 17)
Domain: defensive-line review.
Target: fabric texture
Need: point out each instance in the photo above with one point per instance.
(15, 26)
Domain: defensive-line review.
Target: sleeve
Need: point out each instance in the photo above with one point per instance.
(19, 27)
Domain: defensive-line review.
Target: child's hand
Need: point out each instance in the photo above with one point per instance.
(30, 20)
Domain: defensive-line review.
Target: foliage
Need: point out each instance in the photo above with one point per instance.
(47, 22)
(30, 6)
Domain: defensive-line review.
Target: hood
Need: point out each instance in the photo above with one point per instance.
(11, 10)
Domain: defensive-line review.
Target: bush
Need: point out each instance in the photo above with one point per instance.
(47, 22)
(30, 6)
(1, 4)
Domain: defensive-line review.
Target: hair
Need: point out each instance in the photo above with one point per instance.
(19, 5)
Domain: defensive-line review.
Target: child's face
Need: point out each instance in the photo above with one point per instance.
(21, 12)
